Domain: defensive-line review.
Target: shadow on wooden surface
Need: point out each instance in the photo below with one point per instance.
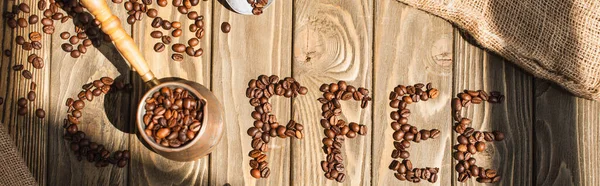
(558, 139)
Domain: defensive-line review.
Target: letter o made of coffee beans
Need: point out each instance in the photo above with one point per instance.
(470, 141)
(336, 129)
(266, 126)
(404, 133)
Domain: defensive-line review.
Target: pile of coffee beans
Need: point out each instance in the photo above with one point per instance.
(404, 133)
(470, 141)
(80, 144)
(336, 129)
(258, 5)
(266, 126)
(173, 116)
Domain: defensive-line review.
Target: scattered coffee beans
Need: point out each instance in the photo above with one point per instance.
(336, 129)
(80, 144)
(470, 141)
(266, 126)
(404, 133)
(173, 116)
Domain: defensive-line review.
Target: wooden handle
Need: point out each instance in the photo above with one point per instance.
(111, 25)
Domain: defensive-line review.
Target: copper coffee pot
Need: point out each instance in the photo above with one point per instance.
(212, 125)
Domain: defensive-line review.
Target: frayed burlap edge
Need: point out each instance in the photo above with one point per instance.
(490, 42)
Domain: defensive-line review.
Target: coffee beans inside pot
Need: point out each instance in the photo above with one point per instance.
(173, 116)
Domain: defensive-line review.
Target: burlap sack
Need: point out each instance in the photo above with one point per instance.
(558, 40)
(13, 170)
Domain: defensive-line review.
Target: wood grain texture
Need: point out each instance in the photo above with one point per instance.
(29, 132)
(256, 45)
(332, 42)
(566, 137)
(476, 69)
(147, 167)
(417, 50)
(103, 120)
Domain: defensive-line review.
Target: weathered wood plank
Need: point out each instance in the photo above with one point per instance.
(476, 69)
(29, 132)
(332, 42)
(104, 120)
(566, 131)
(411, 47)
(256, 45)
(147, 167)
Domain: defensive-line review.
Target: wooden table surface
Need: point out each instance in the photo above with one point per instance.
(551, 136)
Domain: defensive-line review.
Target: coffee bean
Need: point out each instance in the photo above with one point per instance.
(65, 35)
(200, 33)
(193, 42)
(157, 22)
(178, 47)
(48, 29)
(31, 96)
(166, 39)
(17, 67)
(192, 15)
(36, 45)
(176, 32)
(162, 3)
(159, 47)
(33, 19)
(20, 40)
(156, 34)
(67, 47)
(177, 57)
(41, 5)
(189, 51)
(27, 74)
(152, 13)
(198, 52)
(40, 113)
(75, 54)
(166, 25)
(226, 28)
(255, 173)
(24, 7)
(499, 136)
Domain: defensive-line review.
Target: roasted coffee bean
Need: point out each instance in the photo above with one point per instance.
(36, 45)
(198, 52)
(178, 47)
(159, 47)
(152, 13)
(156, 34)
(177, 57)
(157, 22)
(40, 113)
(176, 32)
(166, 25)
(193, 42)
(27, 46)
(226, 28)
(17, 67)
(20, 40)
(31, 96)
(255, 173)
(189, 51)
(67, 47)
(33, 19)
(75, 54)
(27, 74)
